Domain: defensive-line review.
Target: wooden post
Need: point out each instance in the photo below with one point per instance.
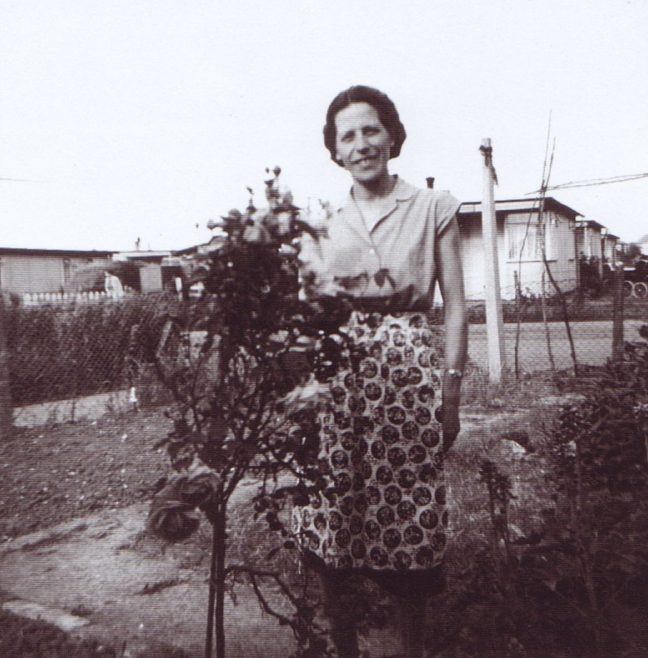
(617, 314)
(518, 320)
(494, 320)
(6, 411)
(545, 322)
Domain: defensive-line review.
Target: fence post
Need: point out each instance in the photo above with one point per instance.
(617, 314)
(494, 320)
(6, 411)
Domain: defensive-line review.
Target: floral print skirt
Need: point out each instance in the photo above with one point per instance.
(386, 508)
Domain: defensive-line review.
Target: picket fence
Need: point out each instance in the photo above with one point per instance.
(59, 298)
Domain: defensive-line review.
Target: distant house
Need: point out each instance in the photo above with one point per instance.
(609, 247)
(622, 248)
(152, 275)
(589, 241)
(520, 246)
(43, 270)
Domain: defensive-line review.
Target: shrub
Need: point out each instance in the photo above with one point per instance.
(575, 584)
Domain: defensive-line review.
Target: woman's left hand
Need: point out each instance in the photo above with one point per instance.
(450, 425)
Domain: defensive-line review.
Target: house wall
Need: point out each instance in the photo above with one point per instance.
(472, 254)
(561, 257)
(588, 242)
(560, 247)
(151, 278)
(609, 249)
(22, 273)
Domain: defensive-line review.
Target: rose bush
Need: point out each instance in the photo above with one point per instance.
(248, 365)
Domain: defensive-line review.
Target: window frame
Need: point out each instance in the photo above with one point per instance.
(521, 224)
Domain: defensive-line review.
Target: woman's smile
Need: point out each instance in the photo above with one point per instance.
(366, 160)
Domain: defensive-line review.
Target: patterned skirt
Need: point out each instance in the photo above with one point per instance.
(387, 507)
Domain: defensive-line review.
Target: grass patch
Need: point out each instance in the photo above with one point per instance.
(478, 393)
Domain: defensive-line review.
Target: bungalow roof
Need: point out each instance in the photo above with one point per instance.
(64, 253)
(517, 205)
(589, 223)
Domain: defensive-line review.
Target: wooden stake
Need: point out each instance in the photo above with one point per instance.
(518, 325)
(6, 412)
(494, 320)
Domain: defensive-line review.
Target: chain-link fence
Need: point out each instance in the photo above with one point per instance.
(549, 328)
(70, 352)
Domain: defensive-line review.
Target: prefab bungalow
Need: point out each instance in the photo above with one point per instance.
(43, 270)
(520, 244)
(151, 268)
(609, 247)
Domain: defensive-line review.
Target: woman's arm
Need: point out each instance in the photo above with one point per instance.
(451, 284)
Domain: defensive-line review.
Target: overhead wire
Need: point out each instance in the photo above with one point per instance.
(592, 182)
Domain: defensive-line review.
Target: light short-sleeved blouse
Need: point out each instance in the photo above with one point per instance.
(396, 259)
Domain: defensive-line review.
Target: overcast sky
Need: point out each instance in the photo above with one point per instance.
(145, 118)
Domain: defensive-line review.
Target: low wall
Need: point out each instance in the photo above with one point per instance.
(66, 411)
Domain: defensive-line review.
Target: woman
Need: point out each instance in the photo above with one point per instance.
(385, 518)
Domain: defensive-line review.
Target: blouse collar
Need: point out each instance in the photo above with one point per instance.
(402, 192)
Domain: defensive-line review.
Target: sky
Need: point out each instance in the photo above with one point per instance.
(146, 118)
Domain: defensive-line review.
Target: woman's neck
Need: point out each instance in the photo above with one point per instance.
(376, 189)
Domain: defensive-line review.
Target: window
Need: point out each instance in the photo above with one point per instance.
(523, 241)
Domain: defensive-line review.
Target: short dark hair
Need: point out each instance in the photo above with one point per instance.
(384, 106)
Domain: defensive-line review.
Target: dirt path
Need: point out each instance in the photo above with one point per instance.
(124, 586)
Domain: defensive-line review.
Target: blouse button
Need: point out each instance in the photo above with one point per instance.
(372, 251)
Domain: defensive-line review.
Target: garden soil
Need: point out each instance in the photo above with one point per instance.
(74, 549)
(74, 501)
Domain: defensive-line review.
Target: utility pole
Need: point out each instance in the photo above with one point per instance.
(494, 319)
(6, 412)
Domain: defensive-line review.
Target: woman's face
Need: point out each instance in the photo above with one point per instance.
(362, 142)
